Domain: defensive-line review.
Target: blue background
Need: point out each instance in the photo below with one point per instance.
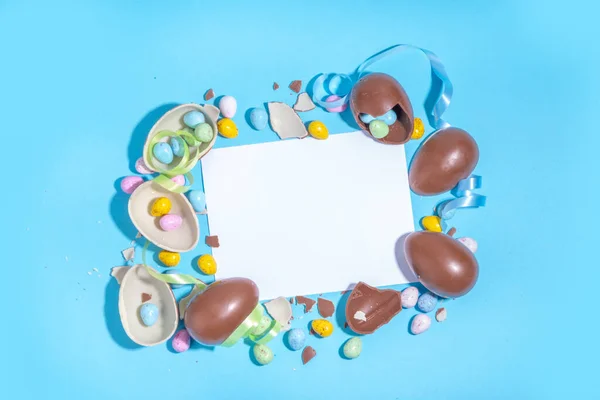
(81, 83)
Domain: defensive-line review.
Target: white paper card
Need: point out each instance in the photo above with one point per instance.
(304, 217)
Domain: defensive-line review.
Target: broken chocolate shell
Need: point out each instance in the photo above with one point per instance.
(308, 354)
(378, 306)
(325, 307)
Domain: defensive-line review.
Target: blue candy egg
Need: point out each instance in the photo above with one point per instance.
(389, 117)
(366, 118)
(149, 313)
(198, 200)
(258, 118)
(193, 119)
(296, 339)
(427, 302)
(163, 152)
(177, 145)
(173, 285)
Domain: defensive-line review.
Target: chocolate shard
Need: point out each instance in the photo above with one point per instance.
(325, 307)
(275, 86)
(452, 231)
(295, 86)
(146, 297)
(209, 94)
(212, 241)
(308, 303)
(374, 307)
(308, 354)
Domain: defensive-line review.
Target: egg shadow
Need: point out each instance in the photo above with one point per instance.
(401, 259)
(118, 211)
(340, 312)
(194, 345)
(112, 318)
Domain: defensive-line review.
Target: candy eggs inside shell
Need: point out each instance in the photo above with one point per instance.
(228, 106)
(170, 222)
(227, 128)
(149, 313)
(180, 240)
(160, 207)
(163, 152)
(318, 130)
(193, 118)
(352, 348)
(130, 183)
(204, 133)
(420, 323)
(137, 280)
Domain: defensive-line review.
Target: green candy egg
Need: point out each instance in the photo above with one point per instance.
(262, 327)
(263, 354)
(352, 348)
(378, 129)
(203, 133)
(189, 140)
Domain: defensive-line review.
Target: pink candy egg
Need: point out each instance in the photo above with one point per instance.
(409, 297)
(170, 222)
(469, 242)
(179, 179)
(181, 341)
(339, 109)
(420, 323)
(141, 167)
(130, 183)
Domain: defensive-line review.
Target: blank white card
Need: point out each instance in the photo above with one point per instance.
(304, 217)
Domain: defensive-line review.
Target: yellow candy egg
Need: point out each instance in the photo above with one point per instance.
(432, 223)
(322, 327)
(318, 130)
(227, 128)
(162, 206)
(169, 258)
(418, 130)
(207, 264)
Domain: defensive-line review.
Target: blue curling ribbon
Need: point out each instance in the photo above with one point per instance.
(465, 198)
(341, 84)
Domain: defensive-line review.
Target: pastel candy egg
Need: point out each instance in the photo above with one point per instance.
(197, 199)
(409, 297)
(338, 109)
(427, 302)
(203, 133)
(227, 128)
(193, 119)
(322, 327)
(130, 183)
(228, 106)
(169, 258)
(469, 242)
(191, 141)
(141, 167)
(318, 130)
(296, 339)
(432, 223)
(262, 326)
(389, 117)
(352, 348)
(181, 341)
(263, 354)
(366, 118)
(173, 285)
(207, 264)
(418, 129)
(161, 206)
(170, 222)
(258, 118)
(177, 145)
(179, 180)
(149, 313)
(378, 129)
(420, 323)
(163, 152)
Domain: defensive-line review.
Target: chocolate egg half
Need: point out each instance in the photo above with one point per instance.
(369, 308)
(445, 158)
(443, 265)
(215, 313)
(376, 94)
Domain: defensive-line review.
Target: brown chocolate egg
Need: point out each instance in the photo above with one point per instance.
(215, 313)
(445, 158)
(369, 308)
(376, 94)
(443, 265)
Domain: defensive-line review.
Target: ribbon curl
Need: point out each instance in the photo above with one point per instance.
(465, 198)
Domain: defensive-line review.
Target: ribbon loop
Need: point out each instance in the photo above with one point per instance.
(465, 197)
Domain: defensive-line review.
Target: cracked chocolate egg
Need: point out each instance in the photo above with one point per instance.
(373, 97)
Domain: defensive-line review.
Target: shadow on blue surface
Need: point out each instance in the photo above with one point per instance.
(112, 318)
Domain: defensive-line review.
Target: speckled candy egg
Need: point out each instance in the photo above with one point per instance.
(469, 242)
(409, 296)
(420, 323)
(197, 199)
(427, 302)
(141, 167)
(262, 327)
(170, 222)
(193, 119)
(177, 145)
(263, 354)
(149, 313)
(181, 341)
(169, 258)
(163, 152)
(228, 106)
(258, 118)
(204, 133)
(296, 339)
(227, 128)
(130, 183)
(352, 348)
(161, 206)
(179, 180)
(322, 327)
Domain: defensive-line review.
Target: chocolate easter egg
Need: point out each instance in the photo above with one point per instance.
(444, 265)
(375, 95)
(213, 315)
(445, 158)
(369, 308)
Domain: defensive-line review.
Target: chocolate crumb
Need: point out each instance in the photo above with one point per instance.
(308, 303)
(275, 86)
(312, 332)
(146, 297)
(212, 241)
(308, 354)
(209, 94)
(295, 86)
(291, 300)
(441, 314)
(452, 231)
(345, 325)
